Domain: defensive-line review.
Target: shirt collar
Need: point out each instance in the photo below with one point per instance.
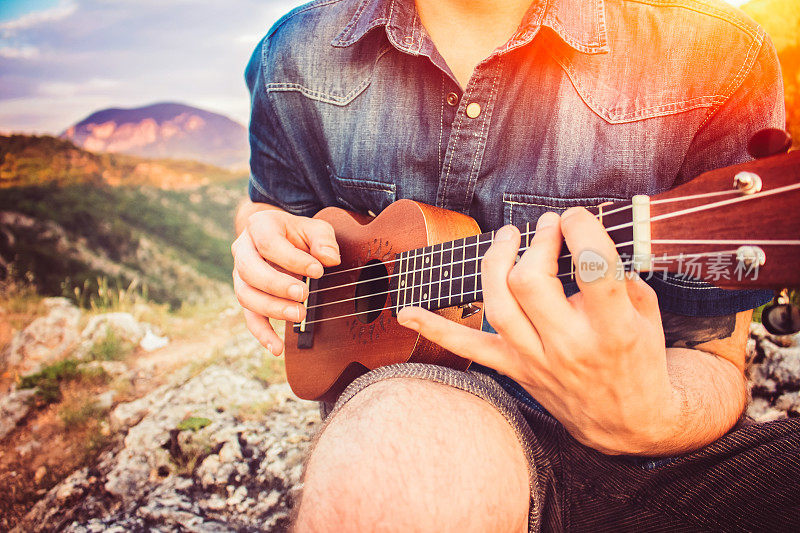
(579, 23)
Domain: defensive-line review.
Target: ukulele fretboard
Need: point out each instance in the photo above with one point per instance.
(449, 274)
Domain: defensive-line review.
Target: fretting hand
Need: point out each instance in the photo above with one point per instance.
(596, 361)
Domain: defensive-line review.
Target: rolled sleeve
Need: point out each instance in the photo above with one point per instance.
(274, 176)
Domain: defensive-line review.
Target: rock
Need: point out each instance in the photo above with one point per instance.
(13, 408)
(151, 341)
(38, 476)
(240, 472)
(105, 400)
(46, 339)
(123, 325)
(774, 374)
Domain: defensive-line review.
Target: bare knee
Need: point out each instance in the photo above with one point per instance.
(413, 455)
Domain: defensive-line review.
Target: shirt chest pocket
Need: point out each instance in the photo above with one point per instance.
(367, 196)
(522, 208)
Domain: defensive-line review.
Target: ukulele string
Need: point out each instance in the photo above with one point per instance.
(663, 258)
(449, 265)
(608, 230)
(522, 234)
(623, 264)
(422, 269)
(422, 284)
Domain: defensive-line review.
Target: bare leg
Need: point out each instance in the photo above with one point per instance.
(413, 455)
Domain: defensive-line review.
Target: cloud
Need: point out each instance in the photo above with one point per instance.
(61, 64)
(21, 52)
(64, 9)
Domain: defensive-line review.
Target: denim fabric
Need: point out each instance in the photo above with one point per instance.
(590, 101)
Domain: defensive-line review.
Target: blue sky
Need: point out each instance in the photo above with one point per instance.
(61, 60)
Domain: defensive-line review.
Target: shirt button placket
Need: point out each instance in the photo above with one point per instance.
(467, 140)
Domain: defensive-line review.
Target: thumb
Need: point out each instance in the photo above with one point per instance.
(320, 238)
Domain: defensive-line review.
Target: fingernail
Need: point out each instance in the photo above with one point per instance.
(269, 349)
(408, 323)
(546, 220)
(315, 270)
(506, 233)
(292, 313)
(330, 252)
(405, 321)
(296, 292)
(569, 212)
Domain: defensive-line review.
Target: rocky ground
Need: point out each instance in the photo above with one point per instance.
(214, 448)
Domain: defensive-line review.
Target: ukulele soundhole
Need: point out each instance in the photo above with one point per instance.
(372, 291)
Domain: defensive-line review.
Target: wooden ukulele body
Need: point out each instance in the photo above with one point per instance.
(347, 347)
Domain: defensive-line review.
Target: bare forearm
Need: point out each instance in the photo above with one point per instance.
(705, 363)
(711, 393)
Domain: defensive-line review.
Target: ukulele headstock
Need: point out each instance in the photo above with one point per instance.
(735, 227)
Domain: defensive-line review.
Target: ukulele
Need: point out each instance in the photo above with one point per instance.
(736, 227)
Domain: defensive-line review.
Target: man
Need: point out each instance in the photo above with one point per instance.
(610, 409)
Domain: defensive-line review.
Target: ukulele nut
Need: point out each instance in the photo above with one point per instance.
(751, 256)
(747, 182)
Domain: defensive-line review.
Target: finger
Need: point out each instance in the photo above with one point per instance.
(269, 236)
(597, 265)
(534, 279)
(262, 330)
(259, 274)
(499, 305)
(266, 304)
(643, 297)
(482, 347)
(319, 238)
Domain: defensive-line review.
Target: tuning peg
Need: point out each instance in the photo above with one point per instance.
(781, 317)
(769, 142)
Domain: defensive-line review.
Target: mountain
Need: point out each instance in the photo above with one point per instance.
(71, 219)
(164, 130)
(781, 20)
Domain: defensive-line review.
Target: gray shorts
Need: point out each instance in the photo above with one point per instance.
(745, 481)
(475, 383)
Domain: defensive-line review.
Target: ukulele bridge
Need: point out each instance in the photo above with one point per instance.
(305, 329)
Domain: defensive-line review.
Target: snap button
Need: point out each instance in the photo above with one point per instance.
(473, 110)
(452, 99)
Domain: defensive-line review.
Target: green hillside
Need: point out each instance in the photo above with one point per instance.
(65, 225)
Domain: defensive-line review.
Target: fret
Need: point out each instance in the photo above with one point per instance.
(404, 282)
(527, 236)
(440, 291)
(425, 279)
(416, 278)
(470, 261)
(457, 275)
(435, 284)
(398, 276)
(482, 249)
(447, 272)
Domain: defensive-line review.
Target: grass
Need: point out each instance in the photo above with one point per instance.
(193, 423)
(110, 348)
(77, 414)
(48, 380)
(271, 370)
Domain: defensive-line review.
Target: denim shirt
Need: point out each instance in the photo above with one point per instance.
(589, 101)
